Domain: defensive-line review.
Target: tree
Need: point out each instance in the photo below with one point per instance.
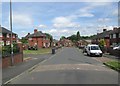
(102, 42)
(49, 36)
(62, 37)
(73, 38)
(78, 36)
(24, 40)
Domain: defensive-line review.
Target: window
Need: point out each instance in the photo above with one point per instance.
(7, 35)
(13, 36)
(95, 48)
(114, 35)
(111, 36)
(8, 43)
(30, 38)
(0, 34)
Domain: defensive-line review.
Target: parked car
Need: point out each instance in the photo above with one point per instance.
(116, 47)
(93, 50)
(32, 48)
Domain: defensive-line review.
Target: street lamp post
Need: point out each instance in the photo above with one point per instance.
(12, 61)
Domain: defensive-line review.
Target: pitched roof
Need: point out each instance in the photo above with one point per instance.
(102, 35)
(36, 34)
(4, 30)
(115, 30)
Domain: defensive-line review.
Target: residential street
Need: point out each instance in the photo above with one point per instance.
(68, 66)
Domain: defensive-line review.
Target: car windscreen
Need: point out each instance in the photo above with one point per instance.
(95, 48)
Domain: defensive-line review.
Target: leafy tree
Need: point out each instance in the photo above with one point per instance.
(73, 38)
(49, 36)
(102, 42)
(62, 37)
(78, 36)
(24, 41)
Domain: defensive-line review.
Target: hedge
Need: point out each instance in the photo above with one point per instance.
(6, 50)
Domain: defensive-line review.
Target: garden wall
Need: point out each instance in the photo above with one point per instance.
(17, 58)
(114, 52)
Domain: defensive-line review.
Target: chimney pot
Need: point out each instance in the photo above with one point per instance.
(28, 33)
(35, 30)
(104, 30)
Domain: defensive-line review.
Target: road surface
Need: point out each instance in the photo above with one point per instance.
(68, 66)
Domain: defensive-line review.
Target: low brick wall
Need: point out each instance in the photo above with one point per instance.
(114, 52)
(6, 61)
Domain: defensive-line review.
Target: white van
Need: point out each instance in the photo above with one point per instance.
(93, 50)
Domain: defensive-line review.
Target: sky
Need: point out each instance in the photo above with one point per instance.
(60, 18)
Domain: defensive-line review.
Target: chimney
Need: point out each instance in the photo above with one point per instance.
(35, 30)
(115, 28)
(104, 30)
(28, 33)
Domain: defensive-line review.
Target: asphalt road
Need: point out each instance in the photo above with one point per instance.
(68, 66)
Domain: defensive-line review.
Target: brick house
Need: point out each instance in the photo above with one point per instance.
(5, 37)
(5, 41)
(82, 43)
(66, 42)
(111, 37)
(115, 37)
(38, 39)
(104, 35)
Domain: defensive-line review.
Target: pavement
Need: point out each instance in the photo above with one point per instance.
(111, 56)
(29, 61)
(68, 66)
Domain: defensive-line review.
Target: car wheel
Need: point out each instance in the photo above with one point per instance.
(87, 54)
(100, 55)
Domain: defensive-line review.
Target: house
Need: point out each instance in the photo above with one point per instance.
(82, 43)
(115, 36)
(38, 39)
(5, 37)
(111, 37)
(104, 35)
(66, 42)
(55, 43)
(5, 42)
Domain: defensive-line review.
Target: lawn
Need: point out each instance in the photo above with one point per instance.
(39, 51)
(113, 64)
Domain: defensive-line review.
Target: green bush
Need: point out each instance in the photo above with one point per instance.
(6, 50)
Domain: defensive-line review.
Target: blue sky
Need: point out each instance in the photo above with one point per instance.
(61, 18)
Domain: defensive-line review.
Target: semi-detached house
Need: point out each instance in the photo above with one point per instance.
(38, 39)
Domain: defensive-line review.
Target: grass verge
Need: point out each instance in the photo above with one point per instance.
(113, 65)
(39, 51)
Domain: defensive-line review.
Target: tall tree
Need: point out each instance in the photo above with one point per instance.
(49, 36)
(62, 37)
(78, 36)
(73, 38)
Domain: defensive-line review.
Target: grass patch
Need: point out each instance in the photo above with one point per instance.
(39, 51)
(113, 64)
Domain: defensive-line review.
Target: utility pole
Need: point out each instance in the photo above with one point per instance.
(12, 60)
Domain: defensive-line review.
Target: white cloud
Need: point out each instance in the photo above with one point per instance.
(53, 31)
(22, 19)
(104, 20)
(42, 26)
(64, 22)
